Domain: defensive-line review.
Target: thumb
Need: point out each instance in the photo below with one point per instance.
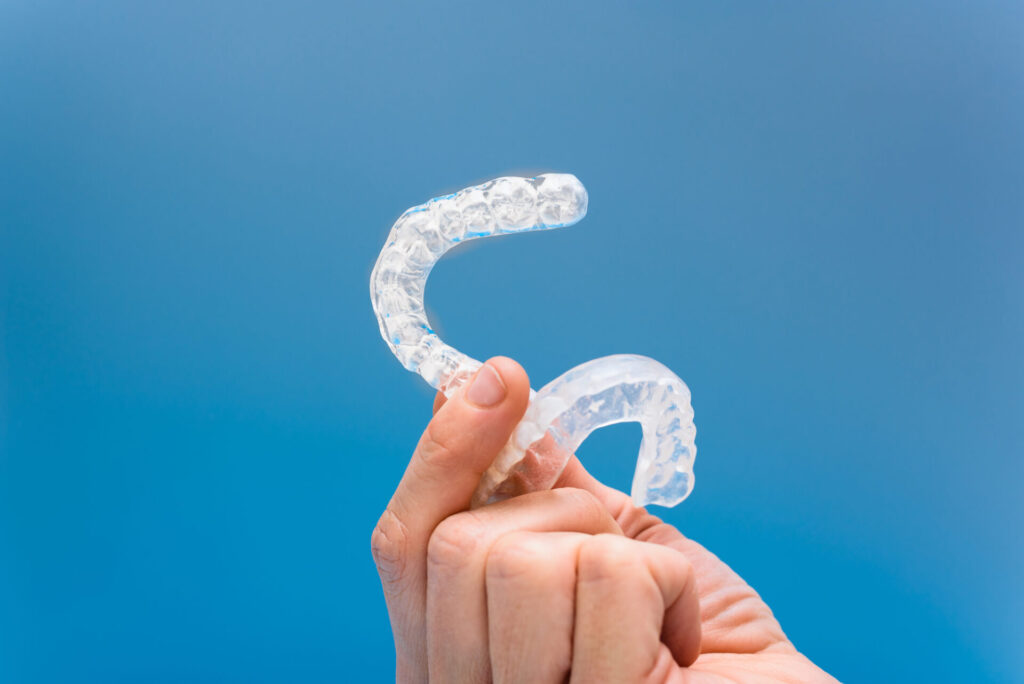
(464, 436)
(458, 444)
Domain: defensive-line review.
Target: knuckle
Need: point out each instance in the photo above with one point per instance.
(389, 546)
(608, 557)
(455, 541)
(513, 556)
(435, 449)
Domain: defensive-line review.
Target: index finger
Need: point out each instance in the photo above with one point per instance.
(458, 445)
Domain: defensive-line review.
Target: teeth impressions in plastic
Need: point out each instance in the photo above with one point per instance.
(611, 389)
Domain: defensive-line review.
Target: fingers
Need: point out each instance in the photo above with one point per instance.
(637, 611)
(531, 597)
(457, 609)
(605, 608)
(458, 445)
(734, 618)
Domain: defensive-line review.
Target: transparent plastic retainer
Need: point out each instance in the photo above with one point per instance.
(611, 389)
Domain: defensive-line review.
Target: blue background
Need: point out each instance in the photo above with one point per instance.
(812, 212)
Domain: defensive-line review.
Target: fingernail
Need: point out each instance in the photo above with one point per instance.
(487, 389)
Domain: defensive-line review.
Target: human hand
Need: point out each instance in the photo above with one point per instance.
(573, 582)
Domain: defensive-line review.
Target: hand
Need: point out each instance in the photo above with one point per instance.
(574, 582)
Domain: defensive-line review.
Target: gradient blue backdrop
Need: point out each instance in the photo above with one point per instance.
(811, 211)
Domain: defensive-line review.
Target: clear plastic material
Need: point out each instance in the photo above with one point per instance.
(611, 389)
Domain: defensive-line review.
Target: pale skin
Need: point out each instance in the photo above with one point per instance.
(570, 584)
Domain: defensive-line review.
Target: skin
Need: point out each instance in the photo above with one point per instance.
(570, 584)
